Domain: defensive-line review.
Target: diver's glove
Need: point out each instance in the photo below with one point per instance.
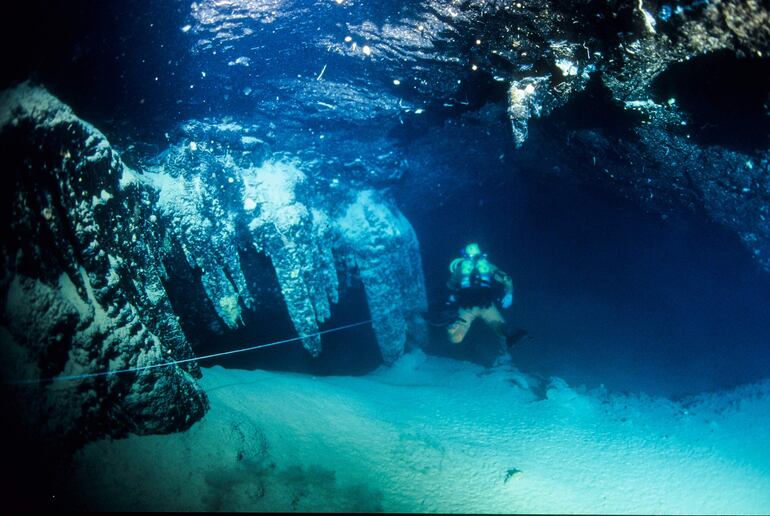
(507, 300)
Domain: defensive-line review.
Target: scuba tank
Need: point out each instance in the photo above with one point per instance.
(484, 270)
(473, 272)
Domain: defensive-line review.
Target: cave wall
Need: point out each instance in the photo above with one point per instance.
(81, 283)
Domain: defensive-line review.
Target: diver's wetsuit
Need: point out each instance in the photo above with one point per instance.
(474, 295)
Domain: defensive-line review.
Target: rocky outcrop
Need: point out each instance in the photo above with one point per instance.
(667, 173)
(684, 123)
(664, 102)
(614, 90)
(95, 247)
(675, 116)
(82, 286)
(215, 203)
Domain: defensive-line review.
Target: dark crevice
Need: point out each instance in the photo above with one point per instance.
(353, 351)
(725, 97)
(55, 355)
(188, 298)
(477, 90)
(595, 108)
(604, 22)
(697, 196)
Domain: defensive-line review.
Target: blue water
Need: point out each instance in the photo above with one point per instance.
(611, 295)
(665, 303)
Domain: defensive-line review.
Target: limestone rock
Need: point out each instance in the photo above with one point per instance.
(386, 252)
(81, 288)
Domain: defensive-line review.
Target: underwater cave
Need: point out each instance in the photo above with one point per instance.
(241, 241)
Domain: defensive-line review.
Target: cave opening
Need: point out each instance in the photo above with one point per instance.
(595, 108)
(726, 97)
(611, 294)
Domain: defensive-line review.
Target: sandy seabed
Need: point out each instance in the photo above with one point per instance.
(437, 435)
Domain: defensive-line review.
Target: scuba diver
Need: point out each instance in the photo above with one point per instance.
(475, 285)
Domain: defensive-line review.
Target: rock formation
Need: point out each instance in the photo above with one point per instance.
(93, 245)
(82, 282)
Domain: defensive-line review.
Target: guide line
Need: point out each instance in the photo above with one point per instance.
(194, 359)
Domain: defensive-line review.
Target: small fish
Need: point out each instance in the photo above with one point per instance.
(510, 474)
